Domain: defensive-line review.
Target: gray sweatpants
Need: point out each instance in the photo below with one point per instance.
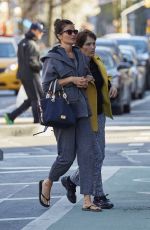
(99, 155)
(71, 142)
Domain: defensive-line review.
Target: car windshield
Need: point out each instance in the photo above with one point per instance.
(107, 59)
(7, 50)
(139, 45)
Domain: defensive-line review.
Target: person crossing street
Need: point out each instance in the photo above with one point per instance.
(29, 67)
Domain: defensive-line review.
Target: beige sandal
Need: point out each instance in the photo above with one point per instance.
(92, 208)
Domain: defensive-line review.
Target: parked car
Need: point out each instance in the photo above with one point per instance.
(116, 35)
(120, 79)
(8, 64)
(112, 44)
(141, 46)
(138, 82)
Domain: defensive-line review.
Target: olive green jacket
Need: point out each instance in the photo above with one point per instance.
(92, 95)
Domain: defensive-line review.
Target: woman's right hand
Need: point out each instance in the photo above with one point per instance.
(80, 82)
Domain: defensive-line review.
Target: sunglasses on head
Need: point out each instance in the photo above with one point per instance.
(70, 32)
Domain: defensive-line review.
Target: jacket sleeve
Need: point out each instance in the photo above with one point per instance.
(49, 74)
(33, 56)
(87, 64)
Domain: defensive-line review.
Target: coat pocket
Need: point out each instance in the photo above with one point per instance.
(72, 94)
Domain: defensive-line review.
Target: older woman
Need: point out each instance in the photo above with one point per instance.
(68, 65)
(99, 93)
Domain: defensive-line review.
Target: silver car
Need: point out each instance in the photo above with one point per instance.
(140, 44)
(138, 81)
(120, 79)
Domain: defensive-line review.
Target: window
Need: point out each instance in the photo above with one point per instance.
(7, 50)
(139, 45)
(107, 59)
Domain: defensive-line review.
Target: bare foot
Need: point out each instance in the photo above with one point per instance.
(89, 206)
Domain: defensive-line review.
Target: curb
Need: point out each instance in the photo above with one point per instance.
(23, 126)
(18, 130)
(28, 129)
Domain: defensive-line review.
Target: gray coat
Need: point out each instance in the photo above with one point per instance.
(57, 65)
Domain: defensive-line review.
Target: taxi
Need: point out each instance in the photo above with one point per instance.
(8, 64)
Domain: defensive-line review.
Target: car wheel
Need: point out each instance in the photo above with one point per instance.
(117, 110)
(140, 96)
(127, 108)
(16, 92)
(134, 95)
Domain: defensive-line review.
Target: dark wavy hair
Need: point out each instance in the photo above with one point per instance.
(59, 25)
(82, 37)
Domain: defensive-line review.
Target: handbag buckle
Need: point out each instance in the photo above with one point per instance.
(53, 98)
(63, 117)
(65, 97)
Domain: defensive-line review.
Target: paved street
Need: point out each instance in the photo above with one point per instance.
(126, 175)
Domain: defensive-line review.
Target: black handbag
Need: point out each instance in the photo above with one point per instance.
(55, 110)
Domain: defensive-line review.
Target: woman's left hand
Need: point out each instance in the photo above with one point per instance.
(113, 92)
(89, 78)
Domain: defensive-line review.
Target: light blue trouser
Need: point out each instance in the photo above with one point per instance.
(99, 155)
(71, 142)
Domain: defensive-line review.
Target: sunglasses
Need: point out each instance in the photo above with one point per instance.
(70, 32)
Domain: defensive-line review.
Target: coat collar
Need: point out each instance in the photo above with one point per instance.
(59, 53)
(101, 67)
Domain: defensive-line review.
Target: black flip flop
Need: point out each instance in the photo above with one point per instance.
(41, 194)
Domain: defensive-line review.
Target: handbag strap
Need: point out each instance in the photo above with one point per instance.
(48, 95)
(45, 128)
(53, 95)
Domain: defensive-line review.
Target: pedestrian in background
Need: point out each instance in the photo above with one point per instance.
(99, 93)
(29, 67)
(68, 65)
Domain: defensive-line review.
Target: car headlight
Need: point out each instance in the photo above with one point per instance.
(11, 67)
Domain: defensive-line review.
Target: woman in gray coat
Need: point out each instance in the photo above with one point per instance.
(69, 66)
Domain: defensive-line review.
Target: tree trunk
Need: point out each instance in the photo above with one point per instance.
(50, 16)
(52, 6)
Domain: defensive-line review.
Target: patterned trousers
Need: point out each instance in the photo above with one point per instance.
(72, 142)
(99, 155)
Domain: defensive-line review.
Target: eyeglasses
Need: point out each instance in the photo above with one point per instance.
(70, 32)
